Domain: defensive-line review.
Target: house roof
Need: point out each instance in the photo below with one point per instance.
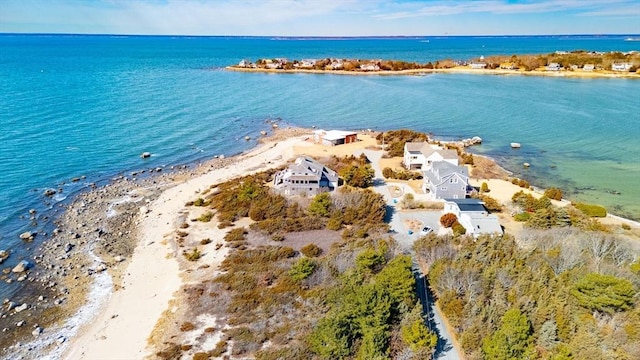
(485, 224)
(469, 205)
(307, 167)
(332, 135)
(414, 146)
(427, 150)
(444, 168)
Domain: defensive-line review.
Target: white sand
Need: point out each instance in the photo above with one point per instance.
(121, 329)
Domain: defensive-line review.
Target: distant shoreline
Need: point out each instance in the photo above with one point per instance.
(455, 70)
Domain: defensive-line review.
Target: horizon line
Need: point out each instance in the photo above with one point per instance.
(313, 36)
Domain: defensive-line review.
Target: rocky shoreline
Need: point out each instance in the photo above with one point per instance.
(88, 251)
(96, 234)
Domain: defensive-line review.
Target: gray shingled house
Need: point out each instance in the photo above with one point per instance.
(305, 177)
(444, 180)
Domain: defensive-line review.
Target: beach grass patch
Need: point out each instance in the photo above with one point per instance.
(591, 210)
(206, 217)
(193, 255)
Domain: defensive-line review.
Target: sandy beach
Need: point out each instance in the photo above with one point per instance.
(121, 329)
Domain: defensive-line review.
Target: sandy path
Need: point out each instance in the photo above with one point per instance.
(121, 329)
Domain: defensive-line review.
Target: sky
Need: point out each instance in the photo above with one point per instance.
(321, 17)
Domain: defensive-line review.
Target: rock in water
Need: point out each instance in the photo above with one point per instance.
(27, 235)
(21, 267)
(145, 155)
(49, 192)
(21, 308)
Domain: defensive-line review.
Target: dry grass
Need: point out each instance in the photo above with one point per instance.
(486, 168)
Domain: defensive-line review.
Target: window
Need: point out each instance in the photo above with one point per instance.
(444, 188)
(454, 180)
(455, 196)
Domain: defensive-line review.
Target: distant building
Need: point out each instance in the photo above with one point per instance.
(621, 66)
(472, 214)
(244, 63)
(334, 137)
(478, 65)
(305, 177)
(369, 67)
(588, 67)
(444, 180)
(553, 67)
(508, 66)
(420, 155)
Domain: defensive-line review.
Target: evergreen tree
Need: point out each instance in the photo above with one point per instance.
(512, 340)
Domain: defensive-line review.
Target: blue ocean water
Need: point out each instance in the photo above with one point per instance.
(74, 105)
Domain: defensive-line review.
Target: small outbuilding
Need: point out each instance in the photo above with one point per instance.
(334, 137)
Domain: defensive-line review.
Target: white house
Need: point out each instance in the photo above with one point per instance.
(478, 65)
(475, 218)
(588, 67)
(553, 67)
(305, 177)
(420, 155)
(443, 180)
(369, 67)
(621, 66)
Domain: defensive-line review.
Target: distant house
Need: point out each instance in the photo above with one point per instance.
(588, 67)
(553, 67)
(444, 180)
(508, 66)
(307, 63)
(420, 155)
(305, 177)
(369, 67)
(244, 63)
(478, 65)
(573, 67)
(621, 66)
(473, 216)
(335, 65)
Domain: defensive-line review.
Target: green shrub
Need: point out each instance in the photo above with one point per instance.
(447, 220)
(626, 226)
(591, 210)
(320, 205)
(311, 250)
(360, 176)
(522, 217)
(604, 293)
(523, 183)
(206, 217)
(458, 229)
(484, 187)
(192, 255)
(205, 241)
(553, 193)
(302, 269)
(200, 202)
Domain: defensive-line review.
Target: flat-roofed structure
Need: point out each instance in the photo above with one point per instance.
(334, 137)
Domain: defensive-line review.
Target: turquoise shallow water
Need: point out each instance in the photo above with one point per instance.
(89, 105)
